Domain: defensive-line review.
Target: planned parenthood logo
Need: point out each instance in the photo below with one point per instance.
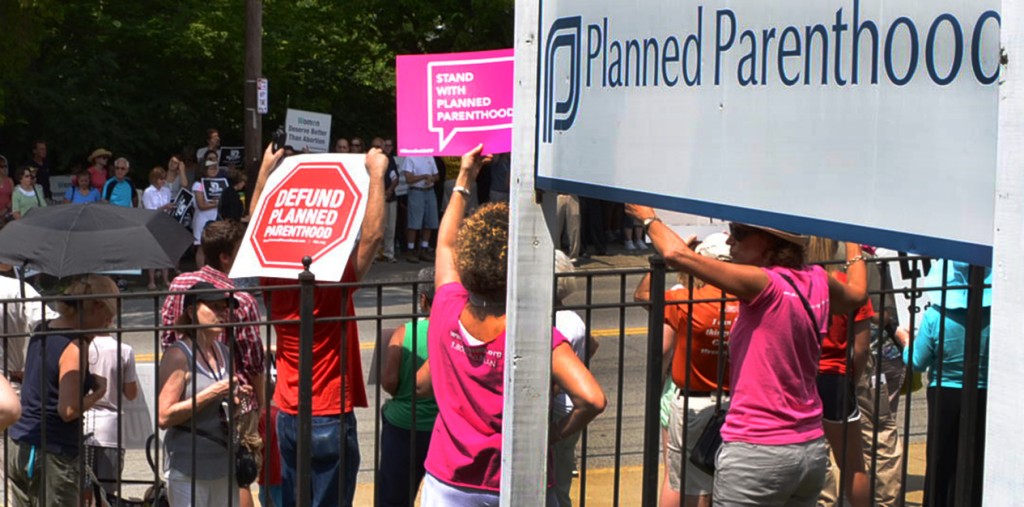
(559, 114)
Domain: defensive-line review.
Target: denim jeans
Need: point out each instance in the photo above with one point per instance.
(325, 463)
(393, 483)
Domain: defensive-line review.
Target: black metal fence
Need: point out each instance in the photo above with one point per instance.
(619, 453)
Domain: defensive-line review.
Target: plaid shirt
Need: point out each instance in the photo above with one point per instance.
(248, 352)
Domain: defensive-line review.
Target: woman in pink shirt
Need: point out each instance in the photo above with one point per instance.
(466, 347)
(773, 451)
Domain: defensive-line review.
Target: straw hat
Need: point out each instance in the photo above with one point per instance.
(99, 152)
(796, 239)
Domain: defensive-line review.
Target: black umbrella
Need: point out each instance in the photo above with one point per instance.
(73, 239)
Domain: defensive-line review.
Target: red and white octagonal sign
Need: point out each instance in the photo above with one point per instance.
(312, 206)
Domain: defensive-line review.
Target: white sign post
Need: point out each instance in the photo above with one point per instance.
(308, 131)
(1004, 449)
(864, 109)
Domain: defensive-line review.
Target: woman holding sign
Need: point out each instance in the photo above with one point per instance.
(773, 450)
(206, 206)
(466, 365)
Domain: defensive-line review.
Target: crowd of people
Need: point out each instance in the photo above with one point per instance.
(755, 335)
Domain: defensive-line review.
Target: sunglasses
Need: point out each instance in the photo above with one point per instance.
(740, 232)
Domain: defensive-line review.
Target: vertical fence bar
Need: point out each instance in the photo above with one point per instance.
(268, 396)
(584, 440)
(653, 385)
(303, 454)
(970, 453)
(413, 363)
(619, 387)
(157, 347)
(908, 376)
(381, 348)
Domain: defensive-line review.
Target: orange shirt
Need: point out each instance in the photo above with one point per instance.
(833, 347)
(707, 326)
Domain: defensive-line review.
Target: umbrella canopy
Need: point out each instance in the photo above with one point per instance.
(73, 239)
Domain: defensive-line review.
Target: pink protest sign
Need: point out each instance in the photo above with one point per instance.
(449, 103)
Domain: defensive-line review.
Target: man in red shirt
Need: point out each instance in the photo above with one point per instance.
(337, 387)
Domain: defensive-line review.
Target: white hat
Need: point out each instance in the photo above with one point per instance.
(715, 246)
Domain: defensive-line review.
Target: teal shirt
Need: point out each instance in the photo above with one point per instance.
(926, 347)
(398, 410)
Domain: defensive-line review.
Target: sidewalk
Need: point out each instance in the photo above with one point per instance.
(601, 484)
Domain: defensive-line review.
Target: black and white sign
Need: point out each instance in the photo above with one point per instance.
(232, 156)
(213, 187)
(182, 210)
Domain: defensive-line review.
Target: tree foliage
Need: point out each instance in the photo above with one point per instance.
(145, 79)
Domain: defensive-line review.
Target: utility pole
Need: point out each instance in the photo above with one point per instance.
(253, 121)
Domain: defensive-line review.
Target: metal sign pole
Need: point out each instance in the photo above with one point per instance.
(1004, 451)
(530, 275)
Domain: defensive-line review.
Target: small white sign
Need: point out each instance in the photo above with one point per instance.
(262, 95)
(308, 131)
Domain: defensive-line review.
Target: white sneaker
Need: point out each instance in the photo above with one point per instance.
(629, 245)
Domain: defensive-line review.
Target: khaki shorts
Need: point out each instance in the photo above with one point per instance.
(700, 410)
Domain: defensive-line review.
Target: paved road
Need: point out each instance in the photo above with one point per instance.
(621, 425)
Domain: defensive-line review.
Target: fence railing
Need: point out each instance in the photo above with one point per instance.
(624, 442)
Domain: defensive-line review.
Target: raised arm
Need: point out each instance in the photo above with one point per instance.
(745, 282)
(372, 233)
(270, 160)
(444, 259)
(847, 297)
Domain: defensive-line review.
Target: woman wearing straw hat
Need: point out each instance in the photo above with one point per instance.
(773, 450)
(98, 174)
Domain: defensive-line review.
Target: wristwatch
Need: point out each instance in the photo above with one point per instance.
(461, 189)
(648, 222)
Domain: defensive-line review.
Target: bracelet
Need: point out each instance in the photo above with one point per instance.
(851, 261)
(648, 222)
(461, 189)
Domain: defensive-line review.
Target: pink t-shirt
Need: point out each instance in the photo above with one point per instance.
(774, 353)
(469, 382)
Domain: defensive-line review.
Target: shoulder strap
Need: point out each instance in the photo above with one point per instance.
(807, 304)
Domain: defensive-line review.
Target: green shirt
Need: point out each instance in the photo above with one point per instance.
(21, 203)
(398, 410)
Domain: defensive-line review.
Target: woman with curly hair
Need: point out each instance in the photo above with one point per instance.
(773, 450)
(466, 345)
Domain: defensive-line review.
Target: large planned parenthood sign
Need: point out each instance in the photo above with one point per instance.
(869, 120)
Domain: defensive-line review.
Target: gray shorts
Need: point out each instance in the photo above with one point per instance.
(770, 475)
(422, 209)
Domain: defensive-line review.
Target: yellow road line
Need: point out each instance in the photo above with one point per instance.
(149, 357)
